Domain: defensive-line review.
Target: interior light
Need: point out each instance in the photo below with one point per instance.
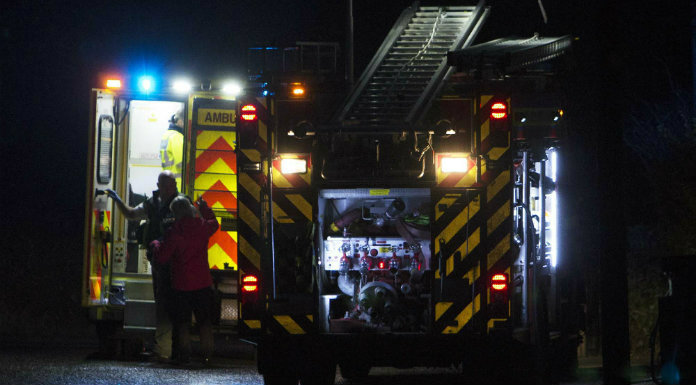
(113, 83)
(293, 166)
(232, 88)
(181, 86)
(248, 112)
(452, 164)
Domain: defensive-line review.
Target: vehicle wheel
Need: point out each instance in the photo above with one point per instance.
(354, 371)
(279, 379)
(323, 375)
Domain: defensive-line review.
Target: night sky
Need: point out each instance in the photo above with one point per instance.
(52, 52)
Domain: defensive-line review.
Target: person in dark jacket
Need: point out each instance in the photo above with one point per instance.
(185, 248)
(159, 218)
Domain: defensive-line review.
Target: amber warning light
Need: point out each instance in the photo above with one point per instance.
(113, 83)
(250, 283)
(249, 112)
(297, 90)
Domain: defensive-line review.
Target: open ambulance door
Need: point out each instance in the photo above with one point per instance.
(125, 136)
(97, 244)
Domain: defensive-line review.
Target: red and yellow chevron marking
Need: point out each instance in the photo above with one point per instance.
(222, 248)
(219, 197)
(95, 271)
(216, 182)
(94, 288)
(455, 179)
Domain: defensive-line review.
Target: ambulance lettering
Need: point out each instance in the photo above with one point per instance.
(216, 117)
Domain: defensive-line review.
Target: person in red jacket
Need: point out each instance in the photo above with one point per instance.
(185, 247)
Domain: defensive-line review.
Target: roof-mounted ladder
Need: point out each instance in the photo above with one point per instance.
(409, 68)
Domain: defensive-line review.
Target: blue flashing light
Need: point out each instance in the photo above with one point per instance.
(265, 92)
(146, 84)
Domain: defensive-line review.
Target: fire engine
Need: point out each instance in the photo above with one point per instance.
(413, 221)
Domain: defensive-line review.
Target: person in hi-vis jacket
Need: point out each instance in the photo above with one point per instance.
(172, 146)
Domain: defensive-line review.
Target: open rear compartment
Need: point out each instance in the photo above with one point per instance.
(374, 260)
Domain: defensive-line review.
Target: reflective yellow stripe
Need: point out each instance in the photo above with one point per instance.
(219, 166)
(457, 223)
(473, 274)
(250, 185)
(500, 181)
(253, 155)
(496, 152)
(249, 217)
(301, 203)
(463, 317)
(449, 265)
(280, 215)
(206, 138)
(446, 200)
(289, 324)
(498, 217)
(206, 181)
(253, 323)
(279, 179)
(485, 129)
(217, 256)
(441, 308)
(498, 251)
(473, 241)
(248, 250)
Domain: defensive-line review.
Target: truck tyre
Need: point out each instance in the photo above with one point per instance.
(323, 375)
(352, 371)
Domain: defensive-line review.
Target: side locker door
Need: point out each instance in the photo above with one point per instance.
(212, 175)
(98, 214)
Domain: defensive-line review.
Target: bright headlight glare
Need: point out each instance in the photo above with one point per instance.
(451, 164)
(293, 166)
(181, 86)
(232, 88)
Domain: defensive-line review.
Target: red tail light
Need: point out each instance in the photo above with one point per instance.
(499, 110)
(499, 282)
(499, 304)
(381, 264)
(249, 112)
(250, 284)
